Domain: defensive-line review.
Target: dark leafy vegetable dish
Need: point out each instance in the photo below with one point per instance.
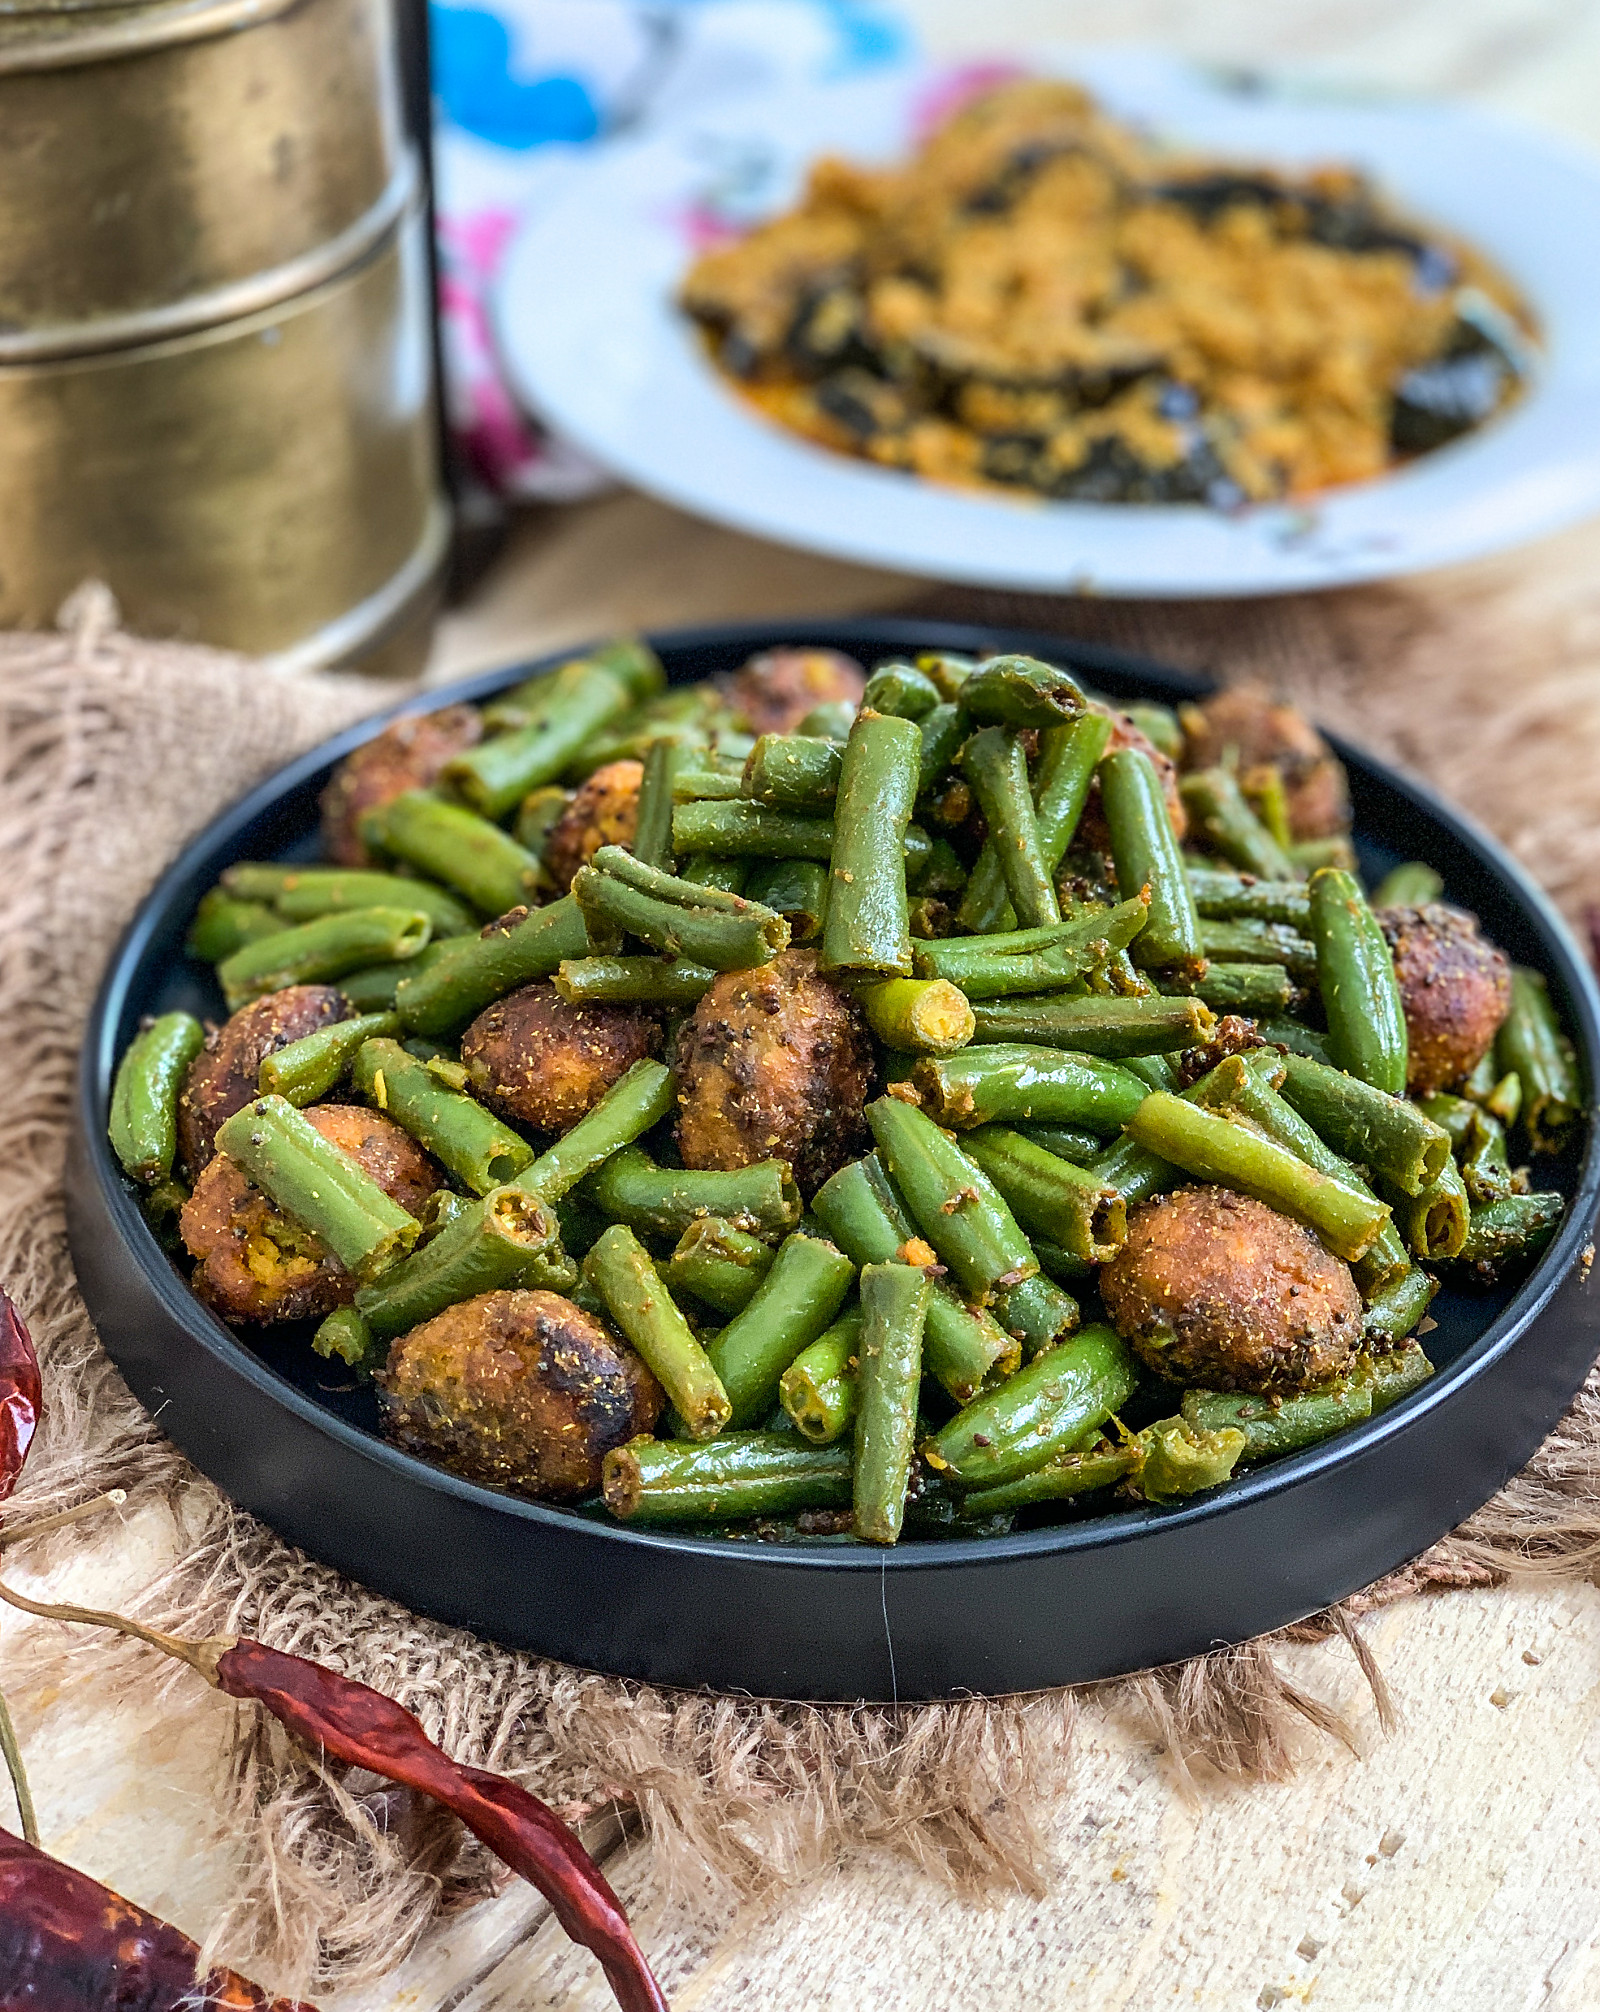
(1040, 299)
(832, 1106)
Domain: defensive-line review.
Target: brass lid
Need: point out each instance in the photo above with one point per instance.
(52, 34)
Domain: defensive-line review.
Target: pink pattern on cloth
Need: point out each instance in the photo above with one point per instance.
(498, 441)
(948, 92)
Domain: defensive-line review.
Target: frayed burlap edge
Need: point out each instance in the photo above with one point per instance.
(338, 1875)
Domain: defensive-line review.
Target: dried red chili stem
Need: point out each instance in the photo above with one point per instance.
(21, 1394)
(201, 1656)
(11, 1754)
(363, 1728)
(113, 1498)
(68, 1944)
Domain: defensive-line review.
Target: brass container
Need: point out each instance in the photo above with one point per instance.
(176, 163)
(270, 484)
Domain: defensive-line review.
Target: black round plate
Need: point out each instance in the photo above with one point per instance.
(1061, 1604)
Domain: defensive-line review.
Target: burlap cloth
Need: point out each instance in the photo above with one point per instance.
(114, 752)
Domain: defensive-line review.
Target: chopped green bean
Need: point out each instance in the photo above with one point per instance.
(307, 1069)
(652, 839)
(1413, 885)
(1395, 1311)
(1246, 941)
(737, 1475)
(1366, 1125)
(724, 932)
(1273, 1426)
(923, 1016)
(466, 974)
(894, 1307)
(1147, 856)
(796, 889)
(1214, 1148)
(448, 843)
(1008, 1082)
(868, 930)
(312, 953)
(223, 924)
(506, 1238)
(302, 893)
(144, 1097)
(1013, 691)
(869, 1221)
(1226, 897)
(719, 1263)
(562, 713)
(901, 690)
(643, 981)
(819, 1389)
(663, 1201)
(793, 772)
(620, 1270)
(1355, 975)
(635, 1103)
(797, 1299)
(1516, 1227)
(1532, 1045)
(1045, 1410)
(1051, 1197)
(994, 763)
(1216, 804)
(1112, 1028)
(462, 1135)
(1038, 1312)
(316, 1185)
(953, 1202)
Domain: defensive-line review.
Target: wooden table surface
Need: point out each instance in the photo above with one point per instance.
(1449, 1865)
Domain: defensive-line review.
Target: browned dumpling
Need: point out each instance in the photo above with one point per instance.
(256, 1265)
(1245, 723)
(605, 811)
(222, 1077)
(521, 1390)
(774, 1063)
(540, 1062)
(773, 692)
(407, 755)
(1217, 1290)
(1455, 987)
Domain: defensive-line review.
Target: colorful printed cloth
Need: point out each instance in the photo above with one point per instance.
(522, 89)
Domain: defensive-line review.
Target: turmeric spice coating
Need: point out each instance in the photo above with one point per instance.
(1213, 1288)
(222, 1077)
(518, 1389)
(774, 1063)
(1040, 300)
(1455, 987)
(407, 755)
(1246, 728)
(540, 1062)
(774, 691)
(255, 1264)
(604, 811)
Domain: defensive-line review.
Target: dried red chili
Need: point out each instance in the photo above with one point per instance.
(21, 1394)
(361, 1726)
(69, 1944)
(358, 1725)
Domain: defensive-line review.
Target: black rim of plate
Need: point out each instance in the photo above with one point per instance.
(102, 1207)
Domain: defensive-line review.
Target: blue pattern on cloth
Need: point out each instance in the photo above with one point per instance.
(524, 89)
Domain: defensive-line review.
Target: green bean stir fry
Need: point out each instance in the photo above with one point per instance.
(824, 1107)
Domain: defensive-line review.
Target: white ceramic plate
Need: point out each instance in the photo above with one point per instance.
(595, 345)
